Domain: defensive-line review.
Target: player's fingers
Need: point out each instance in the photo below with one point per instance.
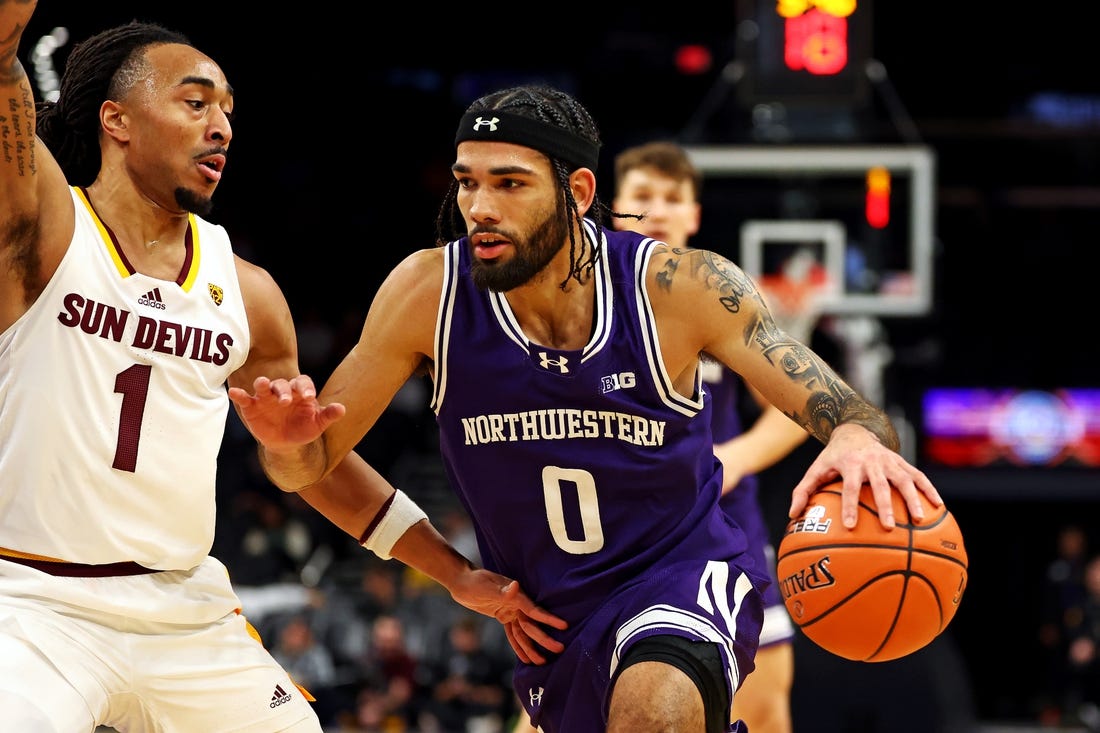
(802, 492)
(303, 386)
(912, 497)
(261, 386)
(332, 412)
(239, 396)
(924, 484)
(281, 389)
(849, 499)
(517, 647)
(538, 635)
(526, 606)
(882, 491)
(530, 646)
(543, 616)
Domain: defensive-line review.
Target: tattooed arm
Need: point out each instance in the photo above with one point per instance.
(36, 216)
(705, 304)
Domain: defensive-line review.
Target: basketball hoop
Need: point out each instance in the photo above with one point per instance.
(796, 294)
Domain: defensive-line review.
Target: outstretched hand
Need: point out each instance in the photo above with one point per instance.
(856, 456)
(494, 595)
(284, 413)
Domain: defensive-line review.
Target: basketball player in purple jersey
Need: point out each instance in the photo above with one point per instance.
(123, 313)
(567, 386)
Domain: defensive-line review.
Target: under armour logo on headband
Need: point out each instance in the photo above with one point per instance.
(491, 124)
(546, 137)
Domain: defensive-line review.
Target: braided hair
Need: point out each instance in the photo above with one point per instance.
(557, 108)
(105, 66)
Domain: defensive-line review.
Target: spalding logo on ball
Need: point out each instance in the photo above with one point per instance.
(870, 594)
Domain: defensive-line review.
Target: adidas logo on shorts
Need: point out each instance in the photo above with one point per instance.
(280, 696)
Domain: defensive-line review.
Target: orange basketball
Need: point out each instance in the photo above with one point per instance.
(869, 594)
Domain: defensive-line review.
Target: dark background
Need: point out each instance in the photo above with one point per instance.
(343, 130)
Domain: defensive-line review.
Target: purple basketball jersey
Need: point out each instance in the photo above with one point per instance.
(591, 481)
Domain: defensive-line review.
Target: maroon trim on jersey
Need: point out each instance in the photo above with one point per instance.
(188, 244)
(80, 570)
(188, 252)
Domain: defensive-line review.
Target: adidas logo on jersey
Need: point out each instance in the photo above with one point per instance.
(281, 696)
(152, 299)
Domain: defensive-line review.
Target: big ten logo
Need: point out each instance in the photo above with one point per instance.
(622, 380)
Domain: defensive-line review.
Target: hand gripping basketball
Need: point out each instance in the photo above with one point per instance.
(867, 593)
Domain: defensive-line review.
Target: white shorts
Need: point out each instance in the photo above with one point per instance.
(165, 652)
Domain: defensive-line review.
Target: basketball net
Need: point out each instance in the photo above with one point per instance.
(796, 294)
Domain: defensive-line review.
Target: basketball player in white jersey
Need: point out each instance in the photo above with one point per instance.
(123, 314)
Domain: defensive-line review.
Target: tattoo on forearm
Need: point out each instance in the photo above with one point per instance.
(831, 401)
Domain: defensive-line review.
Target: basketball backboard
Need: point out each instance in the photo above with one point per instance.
(763, 196)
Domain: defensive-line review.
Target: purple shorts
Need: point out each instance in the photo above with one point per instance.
(700, 600)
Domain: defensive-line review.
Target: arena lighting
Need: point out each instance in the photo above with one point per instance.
(876, 209)
(693, 59)
(45, 74)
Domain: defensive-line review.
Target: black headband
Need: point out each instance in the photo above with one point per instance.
(506, 127)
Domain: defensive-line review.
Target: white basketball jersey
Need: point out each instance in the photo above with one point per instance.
(113, 403)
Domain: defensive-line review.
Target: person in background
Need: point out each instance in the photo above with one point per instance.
(1062, 610)
(466, 683)
(124, 313)
(658, 180)
(565, 358)
(389, 678)
(1082, 693)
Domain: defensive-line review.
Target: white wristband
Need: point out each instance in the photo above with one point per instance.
(403, 513)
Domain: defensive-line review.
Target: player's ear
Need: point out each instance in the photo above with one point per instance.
(582, 182)
(114, 120)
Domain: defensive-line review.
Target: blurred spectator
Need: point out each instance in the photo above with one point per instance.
(349, 602)
(272, 544)
(427, 611)
(389, 679)
(308, 662)
(1082, 698)
(1063, 600)
(468, 689)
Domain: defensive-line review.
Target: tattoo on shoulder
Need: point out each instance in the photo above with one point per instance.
(731, 285)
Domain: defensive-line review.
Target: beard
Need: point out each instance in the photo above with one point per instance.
(190, 201)
(531, 255)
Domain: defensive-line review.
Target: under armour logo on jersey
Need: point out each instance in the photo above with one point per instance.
(535, 695)
(482, 122)
(561, 362)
